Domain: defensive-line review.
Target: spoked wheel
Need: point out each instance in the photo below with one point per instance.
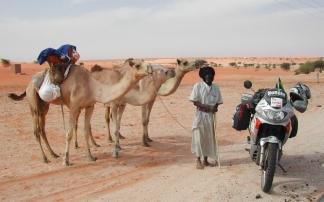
(269, 167)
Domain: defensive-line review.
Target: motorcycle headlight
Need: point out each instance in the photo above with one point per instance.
(274, 115)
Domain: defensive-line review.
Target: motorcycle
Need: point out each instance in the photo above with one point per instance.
(270, 119)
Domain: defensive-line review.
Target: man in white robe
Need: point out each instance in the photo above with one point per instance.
(206, 96)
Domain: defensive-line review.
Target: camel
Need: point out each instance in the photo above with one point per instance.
(80, 90)
(144, 94)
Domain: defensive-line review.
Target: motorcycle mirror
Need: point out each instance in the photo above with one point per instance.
(247, 84)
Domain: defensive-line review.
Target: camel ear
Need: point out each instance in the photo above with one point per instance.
(178, 61)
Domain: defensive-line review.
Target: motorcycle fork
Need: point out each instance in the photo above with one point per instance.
(263, 156)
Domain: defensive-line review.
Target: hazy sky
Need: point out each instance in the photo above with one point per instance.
(107, 29)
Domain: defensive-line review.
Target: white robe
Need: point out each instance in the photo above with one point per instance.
(203, 136)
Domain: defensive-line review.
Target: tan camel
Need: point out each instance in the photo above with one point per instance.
(144, 94)
(140, 94)
(80, 90)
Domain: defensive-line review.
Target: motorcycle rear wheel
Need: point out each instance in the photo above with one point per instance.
(269, 167)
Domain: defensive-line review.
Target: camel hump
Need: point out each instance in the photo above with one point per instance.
(96, 68)
(17, 97)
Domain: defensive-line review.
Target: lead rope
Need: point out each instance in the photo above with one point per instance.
(62, 110)
(65, 75)
(176, 120)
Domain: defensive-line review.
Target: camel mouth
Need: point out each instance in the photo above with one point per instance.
(149, 69)
(200, 63)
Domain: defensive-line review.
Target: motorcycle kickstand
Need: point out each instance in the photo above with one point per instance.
(282, 168)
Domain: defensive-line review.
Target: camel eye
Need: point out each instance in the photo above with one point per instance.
(185, 63)
(137, 66)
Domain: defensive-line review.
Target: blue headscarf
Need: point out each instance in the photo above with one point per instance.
(62, 52)
(42, 57)
(64, 49)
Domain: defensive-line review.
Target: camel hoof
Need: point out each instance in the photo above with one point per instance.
(96, 145)
(55, 155)
(110, 140)
(92, 158)
(66, 163)
(149, 139)
(46, 160)
(145, 144)
(118, 147)
(121, 136)
(115, 154)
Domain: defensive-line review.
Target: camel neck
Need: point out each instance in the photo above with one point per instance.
(107, 93)
(145, 91)
(172, 84)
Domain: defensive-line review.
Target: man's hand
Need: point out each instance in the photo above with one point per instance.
(206, 108)
(215, 108)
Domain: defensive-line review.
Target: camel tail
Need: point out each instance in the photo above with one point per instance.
(96, 68)
(17, 97)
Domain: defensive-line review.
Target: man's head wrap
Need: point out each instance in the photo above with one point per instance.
(205, 71)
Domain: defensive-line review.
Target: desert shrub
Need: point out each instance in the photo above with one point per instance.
(309, 67)
(232, 64)
(285, 66)
(274, 66)
(306, 68)
(213, 64)
(258, 66)
(293, 63)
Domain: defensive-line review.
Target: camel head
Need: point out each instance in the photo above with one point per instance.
(186, 65)
(57, 69)
(161, 74)
(138, 67)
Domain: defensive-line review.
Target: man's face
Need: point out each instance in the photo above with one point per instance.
(208, 79)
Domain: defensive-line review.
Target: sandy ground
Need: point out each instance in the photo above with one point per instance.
(166, 170)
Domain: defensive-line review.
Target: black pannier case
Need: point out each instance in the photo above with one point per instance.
(241, 118)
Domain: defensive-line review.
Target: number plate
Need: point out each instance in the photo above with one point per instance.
(276, 102)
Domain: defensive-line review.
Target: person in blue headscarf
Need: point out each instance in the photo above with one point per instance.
(70, 52)
(66, 53)
(60, 61)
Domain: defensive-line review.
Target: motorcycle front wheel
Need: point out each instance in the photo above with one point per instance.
(269, 167)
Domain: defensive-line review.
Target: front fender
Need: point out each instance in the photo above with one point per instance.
(270, 139)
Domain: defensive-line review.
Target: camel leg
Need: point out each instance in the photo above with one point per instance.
(120, 112)
(87, 130)
(92, 138)
(76, 144)
(107, 117)
(146, 111)
(35, 105)
(90, 131)
(115, 131)
(43, 133)
(72, 130)
(37, 132)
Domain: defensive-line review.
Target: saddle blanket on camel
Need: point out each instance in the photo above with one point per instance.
(47, 90)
